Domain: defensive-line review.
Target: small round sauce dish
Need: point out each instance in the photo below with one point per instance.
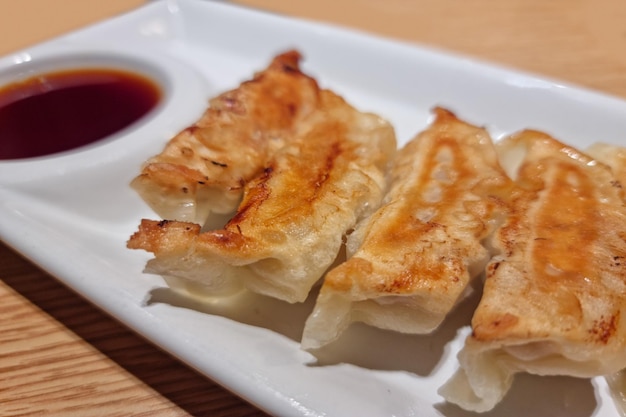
(53, 112)
(62, 106)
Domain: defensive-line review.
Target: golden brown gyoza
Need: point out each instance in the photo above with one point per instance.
(203, 169)
(413, 258)
(612, 155)
(615, 157)
(289, 227)
(554, 300)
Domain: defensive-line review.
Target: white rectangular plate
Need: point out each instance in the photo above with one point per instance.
(72, 214)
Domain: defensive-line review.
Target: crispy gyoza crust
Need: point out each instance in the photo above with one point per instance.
(414, 258)
(555, 296)
(203, 168)
(289, 227)
(613, 156)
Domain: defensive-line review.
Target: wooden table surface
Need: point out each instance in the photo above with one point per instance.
(61, 356)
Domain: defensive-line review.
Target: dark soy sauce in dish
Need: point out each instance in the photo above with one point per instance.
(59, 111)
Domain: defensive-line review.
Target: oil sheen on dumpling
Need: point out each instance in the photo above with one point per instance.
(413, 258)
(612, 155)
(290, 225)
(204, 168)
(554, 298)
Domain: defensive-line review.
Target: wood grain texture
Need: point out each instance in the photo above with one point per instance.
(60, 356)
(26, 22)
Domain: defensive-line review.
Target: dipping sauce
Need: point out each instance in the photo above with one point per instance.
(59, 111)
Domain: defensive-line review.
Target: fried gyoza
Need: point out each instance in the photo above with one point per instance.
(555, 293)
(289, 227)
(413, 259)
(203, 169)
(612, 155)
